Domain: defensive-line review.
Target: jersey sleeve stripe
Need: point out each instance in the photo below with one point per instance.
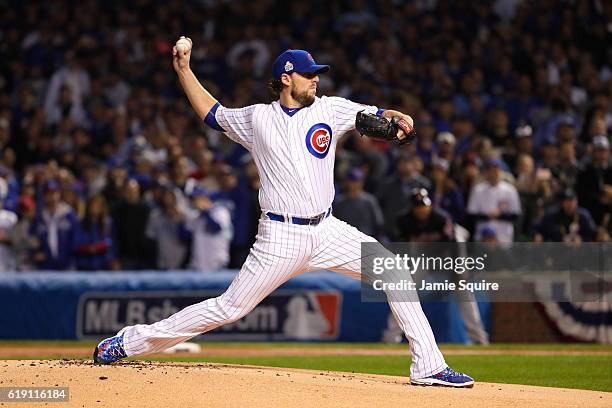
(211, 120)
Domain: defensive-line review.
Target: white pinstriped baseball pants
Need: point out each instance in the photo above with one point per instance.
(282, 251)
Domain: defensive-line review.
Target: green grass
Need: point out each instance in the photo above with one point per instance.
(380, 346)
(583, 372)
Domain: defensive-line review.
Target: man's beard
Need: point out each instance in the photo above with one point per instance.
(303, 98)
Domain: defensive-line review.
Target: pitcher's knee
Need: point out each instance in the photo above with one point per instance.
(230, 312)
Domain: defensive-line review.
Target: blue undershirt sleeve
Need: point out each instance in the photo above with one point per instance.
(210, 119)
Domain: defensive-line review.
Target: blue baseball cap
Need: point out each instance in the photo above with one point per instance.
(355, 174)
(299, 61)
(51, 185)
(488, 232)
(200, 192)
(494, 163)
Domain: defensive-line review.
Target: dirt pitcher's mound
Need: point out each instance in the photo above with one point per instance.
(138, 384)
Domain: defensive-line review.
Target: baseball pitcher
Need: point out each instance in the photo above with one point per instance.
(293, 142)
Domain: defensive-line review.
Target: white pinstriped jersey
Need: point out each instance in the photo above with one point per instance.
(294, 150)
(294, 154)
(295, 157)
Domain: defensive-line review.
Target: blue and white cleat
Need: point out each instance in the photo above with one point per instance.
(109, 350)
(446, 378)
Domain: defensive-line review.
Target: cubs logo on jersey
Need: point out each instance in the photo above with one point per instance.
(318, 140)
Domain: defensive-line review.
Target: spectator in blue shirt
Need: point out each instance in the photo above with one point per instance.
(445, 193)
(54, 227)
(94, 238)
(566, 223)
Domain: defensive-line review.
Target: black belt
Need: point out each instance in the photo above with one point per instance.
(316, 220)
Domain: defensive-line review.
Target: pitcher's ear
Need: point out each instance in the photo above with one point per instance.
(286, 79)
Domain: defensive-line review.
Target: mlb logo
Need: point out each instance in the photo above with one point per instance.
(313, 316)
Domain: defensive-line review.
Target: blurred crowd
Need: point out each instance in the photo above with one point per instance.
(103, 164)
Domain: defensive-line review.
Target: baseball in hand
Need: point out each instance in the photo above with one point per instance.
(183, 45)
